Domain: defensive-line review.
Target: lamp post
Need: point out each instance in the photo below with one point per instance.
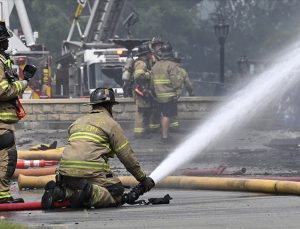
(221, 32)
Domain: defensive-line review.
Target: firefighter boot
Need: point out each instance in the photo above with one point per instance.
(52, 193)
(82, 195)
(11, 200)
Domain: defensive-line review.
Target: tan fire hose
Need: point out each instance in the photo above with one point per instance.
(184, 182)
(35, 171)
(51, 154)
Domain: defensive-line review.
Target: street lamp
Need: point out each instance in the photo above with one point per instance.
(221, 32)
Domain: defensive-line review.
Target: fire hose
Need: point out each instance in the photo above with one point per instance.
(184, 182)
(176, 182)
(23, 164)
(30, 206)
(51, 154)
(35, 172)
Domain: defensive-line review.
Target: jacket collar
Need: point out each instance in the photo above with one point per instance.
(100, 110)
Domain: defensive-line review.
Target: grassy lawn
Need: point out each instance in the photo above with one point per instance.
(7, 225)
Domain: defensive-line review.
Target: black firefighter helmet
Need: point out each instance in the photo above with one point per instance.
(156, 40)
(4, 34)
(103, 96)
(166, 50)
(143, 49)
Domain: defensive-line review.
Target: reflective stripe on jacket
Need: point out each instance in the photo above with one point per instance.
(8, 92)
(85, 165)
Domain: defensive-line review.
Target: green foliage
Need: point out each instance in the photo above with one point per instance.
(52, 19)
(257, 28)
(6, 225)
(169, 19)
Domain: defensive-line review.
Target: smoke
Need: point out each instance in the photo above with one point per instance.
(240, 109)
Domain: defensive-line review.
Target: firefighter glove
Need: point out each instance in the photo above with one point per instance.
(147, 184)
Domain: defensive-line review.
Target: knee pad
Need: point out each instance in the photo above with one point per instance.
(116, 189)
(7, 140)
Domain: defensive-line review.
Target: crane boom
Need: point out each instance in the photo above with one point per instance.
(27, 51)
(103, 20)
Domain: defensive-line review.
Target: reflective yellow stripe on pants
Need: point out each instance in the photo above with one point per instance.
(4, 195)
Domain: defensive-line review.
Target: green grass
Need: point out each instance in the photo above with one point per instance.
(7, 225)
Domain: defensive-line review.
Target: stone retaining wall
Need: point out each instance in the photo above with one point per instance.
(59, 110)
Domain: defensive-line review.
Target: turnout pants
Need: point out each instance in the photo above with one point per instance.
(8, 161)
(106, 192)
(142, 115)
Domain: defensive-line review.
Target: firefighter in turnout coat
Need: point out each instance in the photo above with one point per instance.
(165, 86)
(185, 83)
(142, 93)
(10, 88)
(84, 174)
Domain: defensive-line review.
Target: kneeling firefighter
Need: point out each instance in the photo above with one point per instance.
(84, 174)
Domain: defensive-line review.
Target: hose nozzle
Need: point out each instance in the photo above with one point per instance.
(133, 195)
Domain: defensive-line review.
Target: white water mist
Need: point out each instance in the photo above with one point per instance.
(240, 108)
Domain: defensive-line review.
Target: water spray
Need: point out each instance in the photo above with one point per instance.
(240, 108)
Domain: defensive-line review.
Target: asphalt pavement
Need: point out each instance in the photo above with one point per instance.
(187, 209)
(261, 152)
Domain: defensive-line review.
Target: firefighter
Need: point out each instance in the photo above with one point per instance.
(142, 93)
(84, 174)
(183, 77)
(10, 88)
(155, 46)
(185, 83)
(165, 85)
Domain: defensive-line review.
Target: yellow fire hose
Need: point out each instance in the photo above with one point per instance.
(184, 182)
(34, 172)
(51, 154)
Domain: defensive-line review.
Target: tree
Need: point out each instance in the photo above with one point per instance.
(257, 28)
